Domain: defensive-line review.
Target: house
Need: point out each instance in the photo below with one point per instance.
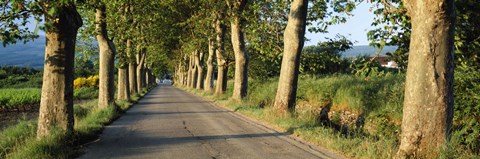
(386, 63)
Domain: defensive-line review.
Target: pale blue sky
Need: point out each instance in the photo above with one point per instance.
(355, 29)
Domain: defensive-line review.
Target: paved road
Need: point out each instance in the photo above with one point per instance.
(170, 123)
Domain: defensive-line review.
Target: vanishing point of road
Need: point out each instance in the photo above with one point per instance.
(170, 123)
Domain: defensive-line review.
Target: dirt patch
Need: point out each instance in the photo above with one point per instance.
(9, 117)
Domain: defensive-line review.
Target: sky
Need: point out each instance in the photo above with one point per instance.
(355, 29)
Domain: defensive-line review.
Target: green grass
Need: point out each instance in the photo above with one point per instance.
(11, 98)
(378, 100)
(85, 93)
(15, 136)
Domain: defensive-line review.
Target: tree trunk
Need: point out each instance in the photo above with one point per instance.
(211, 52)
(147, 77)
(189, 73)
(56, 105)
(123, 92)
(145, 73)
(428, 101)
(240, 85)
(221, 86)
(132, 74)
(182, 73)
(140, 67)
(107, 54)
(194, 69)
(200, 67)
(152, 78)
(178, 80)
(293, 44)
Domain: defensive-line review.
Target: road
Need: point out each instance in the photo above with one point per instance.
(170, 123)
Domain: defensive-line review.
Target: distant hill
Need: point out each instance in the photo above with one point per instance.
(367, 50)
(30, 54)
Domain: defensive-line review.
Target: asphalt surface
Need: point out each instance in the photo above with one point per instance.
(173, 124)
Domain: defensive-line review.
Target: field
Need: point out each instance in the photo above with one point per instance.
(15, 99)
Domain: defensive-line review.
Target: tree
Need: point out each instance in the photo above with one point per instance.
(240, 86)
(428, 103)
(293, 43)
(211, 53)
(107, 56)
(62, 22)
(141, 51)
(200, 67)
(123, 85)
(222, 66)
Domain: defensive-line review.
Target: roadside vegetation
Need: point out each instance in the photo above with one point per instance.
(19, 141)
(425, 107)
(19, 114)
(350, 115)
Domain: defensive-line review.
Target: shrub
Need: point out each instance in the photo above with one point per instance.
(91, 81)
(85, 93)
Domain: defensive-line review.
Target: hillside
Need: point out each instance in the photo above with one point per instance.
(30, 54)
(367, 50)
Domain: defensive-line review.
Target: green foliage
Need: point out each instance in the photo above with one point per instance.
(394, 26)
(11, 98)
(83, 93)
(467, 107)
(325, 58)
(361, 66)
(84, 67)
(467, 33)
(20, 77)
(14, 17)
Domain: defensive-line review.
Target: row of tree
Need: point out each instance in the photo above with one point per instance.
(62, 22)
(429, 83)
(190, 37)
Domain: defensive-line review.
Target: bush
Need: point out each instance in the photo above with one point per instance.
(85, 93)
(467, 107)
(91, 81)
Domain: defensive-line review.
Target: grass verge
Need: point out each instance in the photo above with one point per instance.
(19, 141)
(363, 116)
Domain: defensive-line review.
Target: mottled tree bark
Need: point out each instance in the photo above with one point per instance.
(123, 92)
(200, 68)
(190, 70)
(132, 77)
(144, 73)
(123, 85)
(56, 105)
(240, 85)
(107, 55)
(428, 101)
(194, 70)
(293, 44)
(140, 67)
(208, 78)
(221, 85)
(148, 78)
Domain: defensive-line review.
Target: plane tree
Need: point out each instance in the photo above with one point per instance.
(61, 23)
